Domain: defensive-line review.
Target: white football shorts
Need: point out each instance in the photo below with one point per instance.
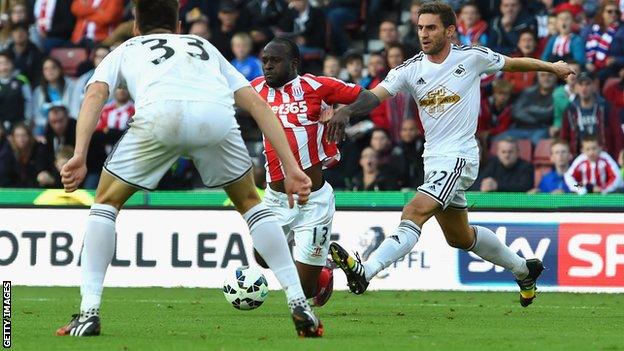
(163, 131)
(447, 179)
(309, 224)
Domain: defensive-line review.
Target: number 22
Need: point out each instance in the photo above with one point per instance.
(439, 180)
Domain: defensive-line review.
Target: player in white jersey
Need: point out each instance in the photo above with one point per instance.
(444, 81)
(184, 90)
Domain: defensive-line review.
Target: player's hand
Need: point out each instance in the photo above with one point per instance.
(326, 115)
(562, 70)
(73, 173)
(297, 182)
(336, 125)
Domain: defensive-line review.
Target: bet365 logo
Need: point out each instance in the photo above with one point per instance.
(293, 107)
(529, 241)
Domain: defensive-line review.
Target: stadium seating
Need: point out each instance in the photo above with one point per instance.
(541, 156)
(70, 58)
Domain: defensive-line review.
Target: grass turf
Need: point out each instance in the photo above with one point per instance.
(200, 319)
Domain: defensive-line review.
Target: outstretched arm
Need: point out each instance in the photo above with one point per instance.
(365, 103)
(527, 64)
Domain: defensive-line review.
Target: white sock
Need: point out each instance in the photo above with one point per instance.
(270, 242)
(488, 247)
(97, 253)
(397, 245)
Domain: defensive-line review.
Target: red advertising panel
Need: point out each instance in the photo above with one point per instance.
(591, 254)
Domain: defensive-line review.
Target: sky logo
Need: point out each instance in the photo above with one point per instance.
(528, 240)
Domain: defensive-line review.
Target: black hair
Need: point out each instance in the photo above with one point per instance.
(351, 56)
(21, 26)
(293, 49)
(60, 108)
(156, 14)
(444, 11)
(44, 83)
(528, 30)
(384, 131)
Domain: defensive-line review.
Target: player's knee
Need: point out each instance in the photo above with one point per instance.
(106, 198)
(459, 242)
(416, 212)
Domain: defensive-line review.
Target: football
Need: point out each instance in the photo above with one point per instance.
(246, 289)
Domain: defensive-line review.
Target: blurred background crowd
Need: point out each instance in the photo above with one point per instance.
(537, 134)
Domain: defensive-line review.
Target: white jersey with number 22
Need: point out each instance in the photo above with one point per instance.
(448, 96)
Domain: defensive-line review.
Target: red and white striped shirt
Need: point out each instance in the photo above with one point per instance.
(298, 105)
(114, 117)
(603, 173)
(561, 46)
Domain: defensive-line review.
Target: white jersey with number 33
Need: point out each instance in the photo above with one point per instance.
(448, 96)
(159, 67)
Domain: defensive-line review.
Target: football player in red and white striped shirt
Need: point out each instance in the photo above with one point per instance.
(298, 101)
(593, 170)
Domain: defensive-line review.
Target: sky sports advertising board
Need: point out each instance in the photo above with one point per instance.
(581, 252)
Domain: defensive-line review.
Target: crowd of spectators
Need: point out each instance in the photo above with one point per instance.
(537, 134)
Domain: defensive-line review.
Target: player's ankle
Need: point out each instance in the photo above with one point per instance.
(371, 268)
(89, 312)
(299, 301)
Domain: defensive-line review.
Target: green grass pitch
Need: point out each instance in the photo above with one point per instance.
(200, 319)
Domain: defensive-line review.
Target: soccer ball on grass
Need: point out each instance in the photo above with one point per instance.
(246, 289)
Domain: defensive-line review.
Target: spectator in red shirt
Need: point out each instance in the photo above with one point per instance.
(565, 44)
(95, 20)
(495, 114)
(614, 93)
(575, 7)
(54, 22)
(115, 117)
(376, 72)
(401, 106)
(527, 47)
(593, 171)
(471, 29)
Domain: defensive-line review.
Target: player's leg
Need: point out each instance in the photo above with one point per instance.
(302, 225)
(309, 274)
(441, 177)
(97, 253)
(310, 254)
(227, 165)
(395, 246)
(270, 243)
(138, 161)
(312, 229)
(482, 241)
